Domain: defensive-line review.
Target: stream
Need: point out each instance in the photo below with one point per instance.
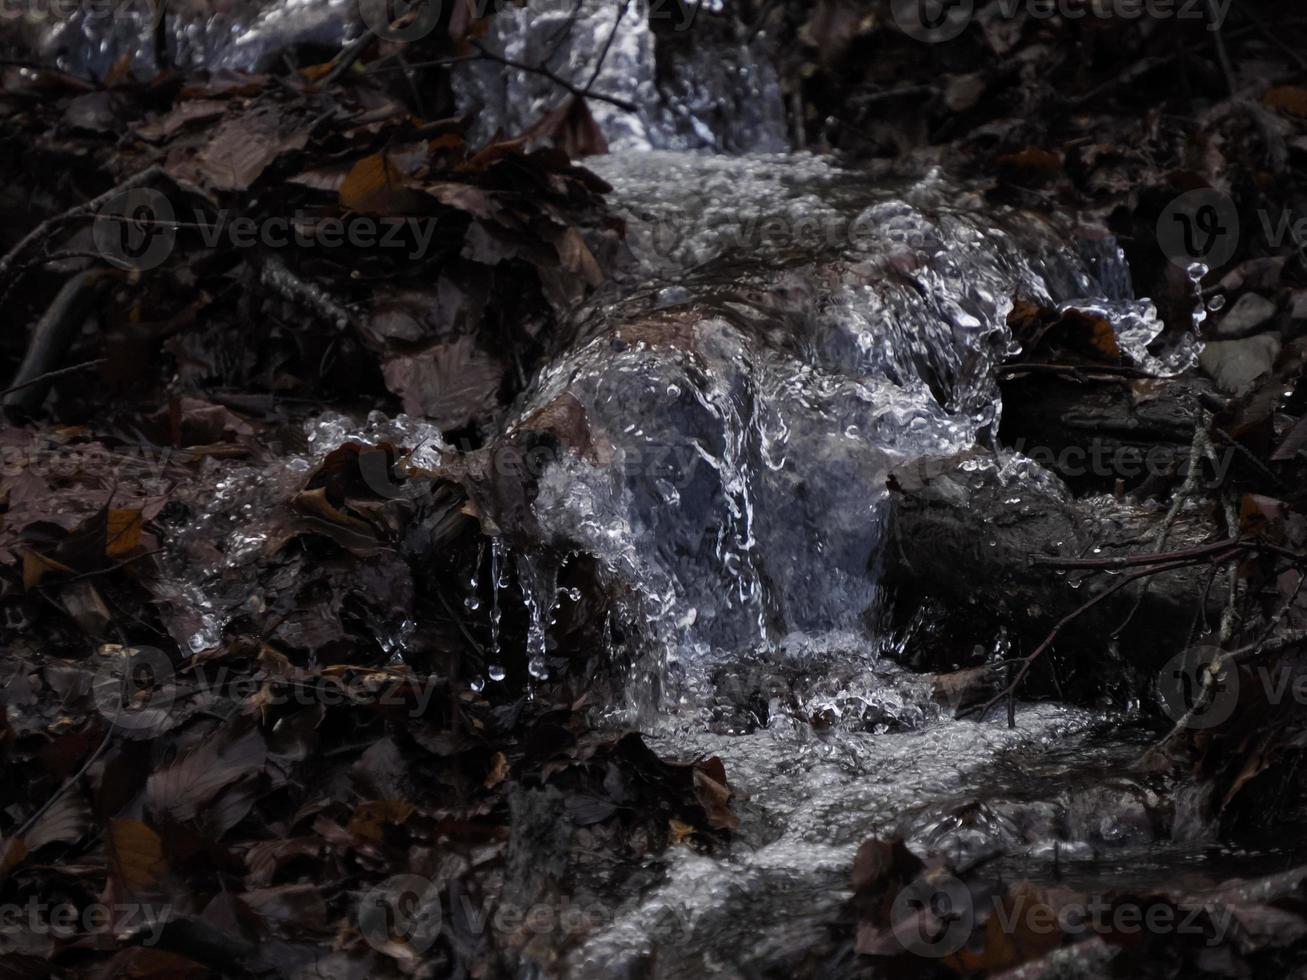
(783, 331)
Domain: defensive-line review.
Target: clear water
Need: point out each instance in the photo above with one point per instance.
(784, 331)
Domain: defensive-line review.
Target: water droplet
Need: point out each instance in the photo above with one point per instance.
(538, 669)
(476, 682)
(497, 672)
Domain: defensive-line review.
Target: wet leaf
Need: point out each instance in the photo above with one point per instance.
(124, 533)
(36, 567)
(136, 855)
(451, 383)
(571, 128)
(183, 788)
(1287, 98)
(375, 185)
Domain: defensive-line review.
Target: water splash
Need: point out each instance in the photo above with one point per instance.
(715, 95)
(753, 418)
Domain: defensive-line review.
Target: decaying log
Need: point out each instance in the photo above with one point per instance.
(1095, 430)
(965, 544)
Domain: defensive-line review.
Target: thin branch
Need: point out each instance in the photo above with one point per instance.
(1028, 661)
(556, 79)
(78, 211)
(49, 375)
(1133, 561)
(608, 43)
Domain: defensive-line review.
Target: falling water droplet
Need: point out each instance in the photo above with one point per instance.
(496, 672)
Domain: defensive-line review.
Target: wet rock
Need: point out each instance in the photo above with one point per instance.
(1235, 364)
(964, 532)
(1096, 430)
(1245, 317)
(1298, 309)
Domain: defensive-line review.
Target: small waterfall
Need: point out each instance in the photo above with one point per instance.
(720, 97)
(714, 95)
(790, 331)
(197, 35)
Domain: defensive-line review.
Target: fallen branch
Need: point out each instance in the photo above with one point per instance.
(585, 93)
(51, 375)
(1133, 561)
(1027, 662)
(78, 211)
(54, 334)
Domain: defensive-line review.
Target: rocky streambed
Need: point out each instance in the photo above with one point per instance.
(898, 525)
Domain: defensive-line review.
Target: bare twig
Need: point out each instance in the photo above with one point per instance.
(608, 43)
(1133, 561)
(50, 375)
(555, 78)
(78, 211)
(1009, 693)
(1218, 41)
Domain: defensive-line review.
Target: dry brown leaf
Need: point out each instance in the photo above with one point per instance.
(1287, 98)
(124, 533)
(136, 854)
(450, 383)
(498, 770)
(375, 185)
(37, 566)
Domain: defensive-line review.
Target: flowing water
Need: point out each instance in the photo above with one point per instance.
(784, 331)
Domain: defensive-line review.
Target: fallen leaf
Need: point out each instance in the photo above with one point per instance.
(450, 383)
(1287, 98)
(136, 854)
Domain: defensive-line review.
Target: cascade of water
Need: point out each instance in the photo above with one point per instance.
(498, 569)
(538, 580)
(719, 97)
(775, 378)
